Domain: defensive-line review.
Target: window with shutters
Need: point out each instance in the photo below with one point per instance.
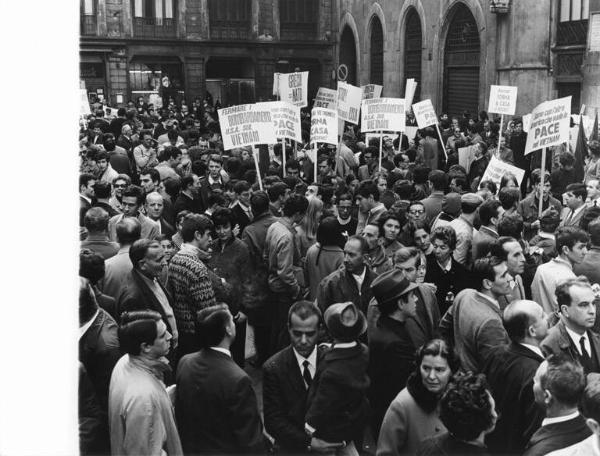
(573, 16)
(298, 19)
(412, 50)
(154, 18)
(461, 63)
(88, 17)
(230, 19)
(376, 73)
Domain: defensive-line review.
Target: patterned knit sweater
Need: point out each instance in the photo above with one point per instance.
(190, 286)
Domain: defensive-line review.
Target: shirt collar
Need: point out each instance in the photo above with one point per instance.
(86, 198)
(376, 208)
(346, 345)
(491, 300)
(561, 261)
(222, 350)
(83, 329)
(560, 419)
(579, 209)
(447, 267)
(575, 337)
(360, 276)
(534, 349)
(545, 235)
(211, 181)
(312, 358)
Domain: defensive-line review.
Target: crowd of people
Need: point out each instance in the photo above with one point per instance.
(393, 305)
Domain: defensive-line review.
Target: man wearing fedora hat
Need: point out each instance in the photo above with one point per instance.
(339, 407)
(391, 347)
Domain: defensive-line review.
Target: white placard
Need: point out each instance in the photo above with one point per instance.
(246, 125)
(383, 114)
(503, 100)
(466, 156)
(276, 83)
(409, 92)
(323, 126)
(549, 124)
(497, 168)
(526, 122)
(349, 98)
(326, 98)
(84, 103)
(293, 88)
(371, 91)
(286, 119)
(424, 113)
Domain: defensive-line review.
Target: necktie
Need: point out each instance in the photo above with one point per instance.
(306, 374)
(568, 219)
(584, 353)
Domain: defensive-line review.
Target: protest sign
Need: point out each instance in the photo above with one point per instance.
(276, 83)
(549, 124)
(424, 113)
(410, 132)
(293, 88)
(497, 168)
(349, 98)
(84, 103)
(246, 125)
(323, 126)
(409, 92)
(383, 114)
(503, 100)
(286, 119)
(371, 91)
(326, 98)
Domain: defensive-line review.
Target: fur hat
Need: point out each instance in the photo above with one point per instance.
(345, 322)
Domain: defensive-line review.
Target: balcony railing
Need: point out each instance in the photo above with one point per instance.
(88, 24)
(294, 31)
(151, 27)
(230, 30)
(571, 33)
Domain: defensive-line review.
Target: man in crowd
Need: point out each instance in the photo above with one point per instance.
(438, 181)
(241, 208)
(140, 411)
(168, 160)
(118, 266)
(86, 194)
(590, 266)
(529, 207)
(102, 191)
(145, 154)
(463, 227)
(283, 258)
(352, 281)
(133, 198)
(188, 199)
(155, 206)
(107, 173)
(120, 183)
(369, 207)
(571, 245)
(287, 376)
(189, 282)
(216, 407)
(557, 387)
(96, 224)
(593, 192)
(278, 194)
(490, 213)
(347, 223)
(575, 198)
(473, 325)
(509, 249)
(510, 370)
(572, 336)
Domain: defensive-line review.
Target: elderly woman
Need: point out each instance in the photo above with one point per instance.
(415, 414)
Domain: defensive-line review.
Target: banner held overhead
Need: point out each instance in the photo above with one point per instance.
(349, 98)
(246, 125)
(383, 114)
(549, 124)
(293, 88)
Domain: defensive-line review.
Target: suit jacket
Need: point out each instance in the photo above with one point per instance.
(558, 342)
(574, 221)
(480, 246)
(509, 372)
(115, 273)
(589, 266)
(149, 227)
(185, 203)
(166, 228)
(137, 295)
(216, 407)
(84, 205)
(340, 286)
(102, 245)
(285, 400)
(241, 218)
(557, 435)
(433, 205)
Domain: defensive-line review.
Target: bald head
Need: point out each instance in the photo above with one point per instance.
(128, 230)
(154, 205)
(525, 322)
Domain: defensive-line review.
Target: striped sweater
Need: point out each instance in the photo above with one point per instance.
(190, 286)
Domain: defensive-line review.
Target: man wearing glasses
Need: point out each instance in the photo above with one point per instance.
(120, 183)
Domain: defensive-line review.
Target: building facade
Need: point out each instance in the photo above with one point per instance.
(456, 49)
(230, 48)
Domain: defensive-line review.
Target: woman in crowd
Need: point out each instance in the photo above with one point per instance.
(389, 227)
(307, 229)
(420, 234)
(508, 180)
(325, 256)
(415, 414)
(592, 168)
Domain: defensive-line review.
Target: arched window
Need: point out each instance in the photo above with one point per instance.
(461, 63)
(376, 74)
(348, 54)
(412, 50)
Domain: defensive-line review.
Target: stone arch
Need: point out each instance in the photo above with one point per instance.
(349, 22)
(407, 7)
(375, 11)
(439, 44)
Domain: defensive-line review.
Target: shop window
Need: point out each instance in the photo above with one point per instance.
(88, 17)
(154, 18)
(145, 78)
(298, 19)
(230, 19)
